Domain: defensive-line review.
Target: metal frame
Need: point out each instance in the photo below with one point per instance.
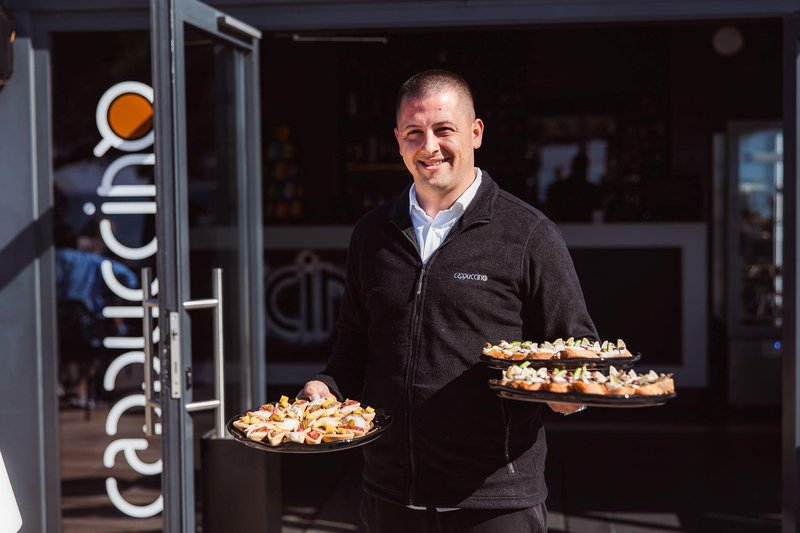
(790, 490)
(51, 456)
(169, 19)
(27, 292)
(169, 260)
(278, 15)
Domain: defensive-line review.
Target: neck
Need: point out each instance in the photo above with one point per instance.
(433, 200)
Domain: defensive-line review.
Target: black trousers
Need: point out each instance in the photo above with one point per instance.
(384, 517)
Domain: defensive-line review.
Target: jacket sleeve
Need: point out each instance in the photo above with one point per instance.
(344, 372)
(554, 304)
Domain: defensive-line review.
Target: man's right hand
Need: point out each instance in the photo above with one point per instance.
(314, 390)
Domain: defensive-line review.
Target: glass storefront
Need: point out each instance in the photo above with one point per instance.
(596, 126)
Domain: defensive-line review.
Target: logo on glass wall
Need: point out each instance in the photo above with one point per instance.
(302, 300)
(125, 118)
(125, 121)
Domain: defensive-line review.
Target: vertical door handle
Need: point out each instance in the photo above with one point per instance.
(148, 304)
(219, 352)
(218, 403)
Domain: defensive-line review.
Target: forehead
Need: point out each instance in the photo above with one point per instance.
(444, 105)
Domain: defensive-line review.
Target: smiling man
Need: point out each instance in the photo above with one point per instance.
(452, 262)
(437, 133)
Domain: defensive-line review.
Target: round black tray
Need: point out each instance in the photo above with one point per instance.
(623, 363)
(381, 423)
(592, 400)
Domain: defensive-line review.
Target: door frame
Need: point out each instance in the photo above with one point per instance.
(790, 488)
(168, 19)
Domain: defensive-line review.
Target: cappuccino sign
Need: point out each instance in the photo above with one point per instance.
(124, 118)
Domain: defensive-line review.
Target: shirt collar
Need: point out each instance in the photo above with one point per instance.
(462, 201)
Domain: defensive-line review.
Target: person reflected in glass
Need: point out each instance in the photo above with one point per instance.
(572, 198)
(82, 294)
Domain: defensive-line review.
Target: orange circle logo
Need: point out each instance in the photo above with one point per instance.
(130, 116)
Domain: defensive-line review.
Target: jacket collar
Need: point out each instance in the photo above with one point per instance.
(480, 208)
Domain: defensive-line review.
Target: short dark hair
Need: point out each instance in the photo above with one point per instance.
(429, 82)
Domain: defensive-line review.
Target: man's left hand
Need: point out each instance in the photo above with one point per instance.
(565, 408)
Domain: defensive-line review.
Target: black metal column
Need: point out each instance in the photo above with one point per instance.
(790, 503)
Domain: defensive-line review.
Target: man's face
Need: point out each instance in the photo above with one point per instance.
(437, 136)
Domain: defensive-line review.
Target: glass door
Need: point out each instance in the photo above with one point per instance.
(209, 263)
(755, 229)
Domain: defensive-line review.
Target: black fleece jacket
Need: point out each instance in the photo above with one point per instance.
(410, 337)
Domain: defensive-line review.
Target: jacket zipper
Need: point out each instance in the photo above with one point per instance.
(415, 336)
(409, 393)
(507, 423)
(409, 373)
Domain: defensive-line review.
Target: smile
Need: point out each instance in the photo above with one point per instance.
(434, 162)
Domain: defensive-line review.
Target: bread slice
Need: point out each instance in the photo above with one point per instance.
(624, 390)
(586, 387)
(576, 352)
(664, 385)
(613, 354)
(560, 388)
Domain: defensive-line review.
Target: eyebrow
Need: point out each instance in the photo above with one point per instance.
(442, 123)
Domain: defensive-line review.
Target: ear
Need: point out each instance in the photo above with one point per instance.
(397, 136)
(477, 133)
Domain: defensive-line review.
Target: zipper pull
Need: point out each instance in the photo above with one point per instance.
(419, 283)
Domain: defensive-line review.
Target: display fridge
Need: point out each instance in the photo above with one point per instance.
(753, 261)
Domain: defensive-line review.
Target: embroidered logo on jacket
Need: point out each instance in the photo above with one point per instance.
(470, 277)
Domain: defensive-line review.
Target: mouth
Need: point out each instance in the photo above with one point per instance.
(432, 164)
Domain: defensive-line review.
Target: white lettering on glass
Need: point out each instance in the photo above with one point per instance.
(124, 120)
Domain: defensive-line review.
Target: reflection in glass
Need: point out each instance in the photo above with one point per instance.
(760, 201)
(99, 332)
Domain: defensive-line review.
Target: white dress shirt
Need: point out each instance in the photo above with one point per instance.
(431, 232)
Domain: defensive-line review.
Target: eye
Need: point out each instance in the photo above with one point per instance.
(444, 130)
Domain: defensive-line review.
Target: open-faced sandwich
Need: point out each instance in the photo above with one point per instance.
(305, 422)
(558, 349)
(581, 380)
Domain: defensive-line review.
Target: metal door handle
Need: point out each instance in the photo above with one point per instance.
(148, 304)
(217, 404)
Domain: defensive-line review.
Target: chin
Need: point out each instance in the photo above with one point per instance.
(437, 183)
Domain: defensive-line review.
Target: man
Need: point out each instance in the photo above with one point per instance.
(451, 263)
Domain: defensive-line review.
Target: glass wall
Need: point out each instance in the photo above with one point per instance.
(104, 233)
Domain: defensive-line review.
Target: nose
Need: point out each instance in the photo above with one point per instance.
(431, 142)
